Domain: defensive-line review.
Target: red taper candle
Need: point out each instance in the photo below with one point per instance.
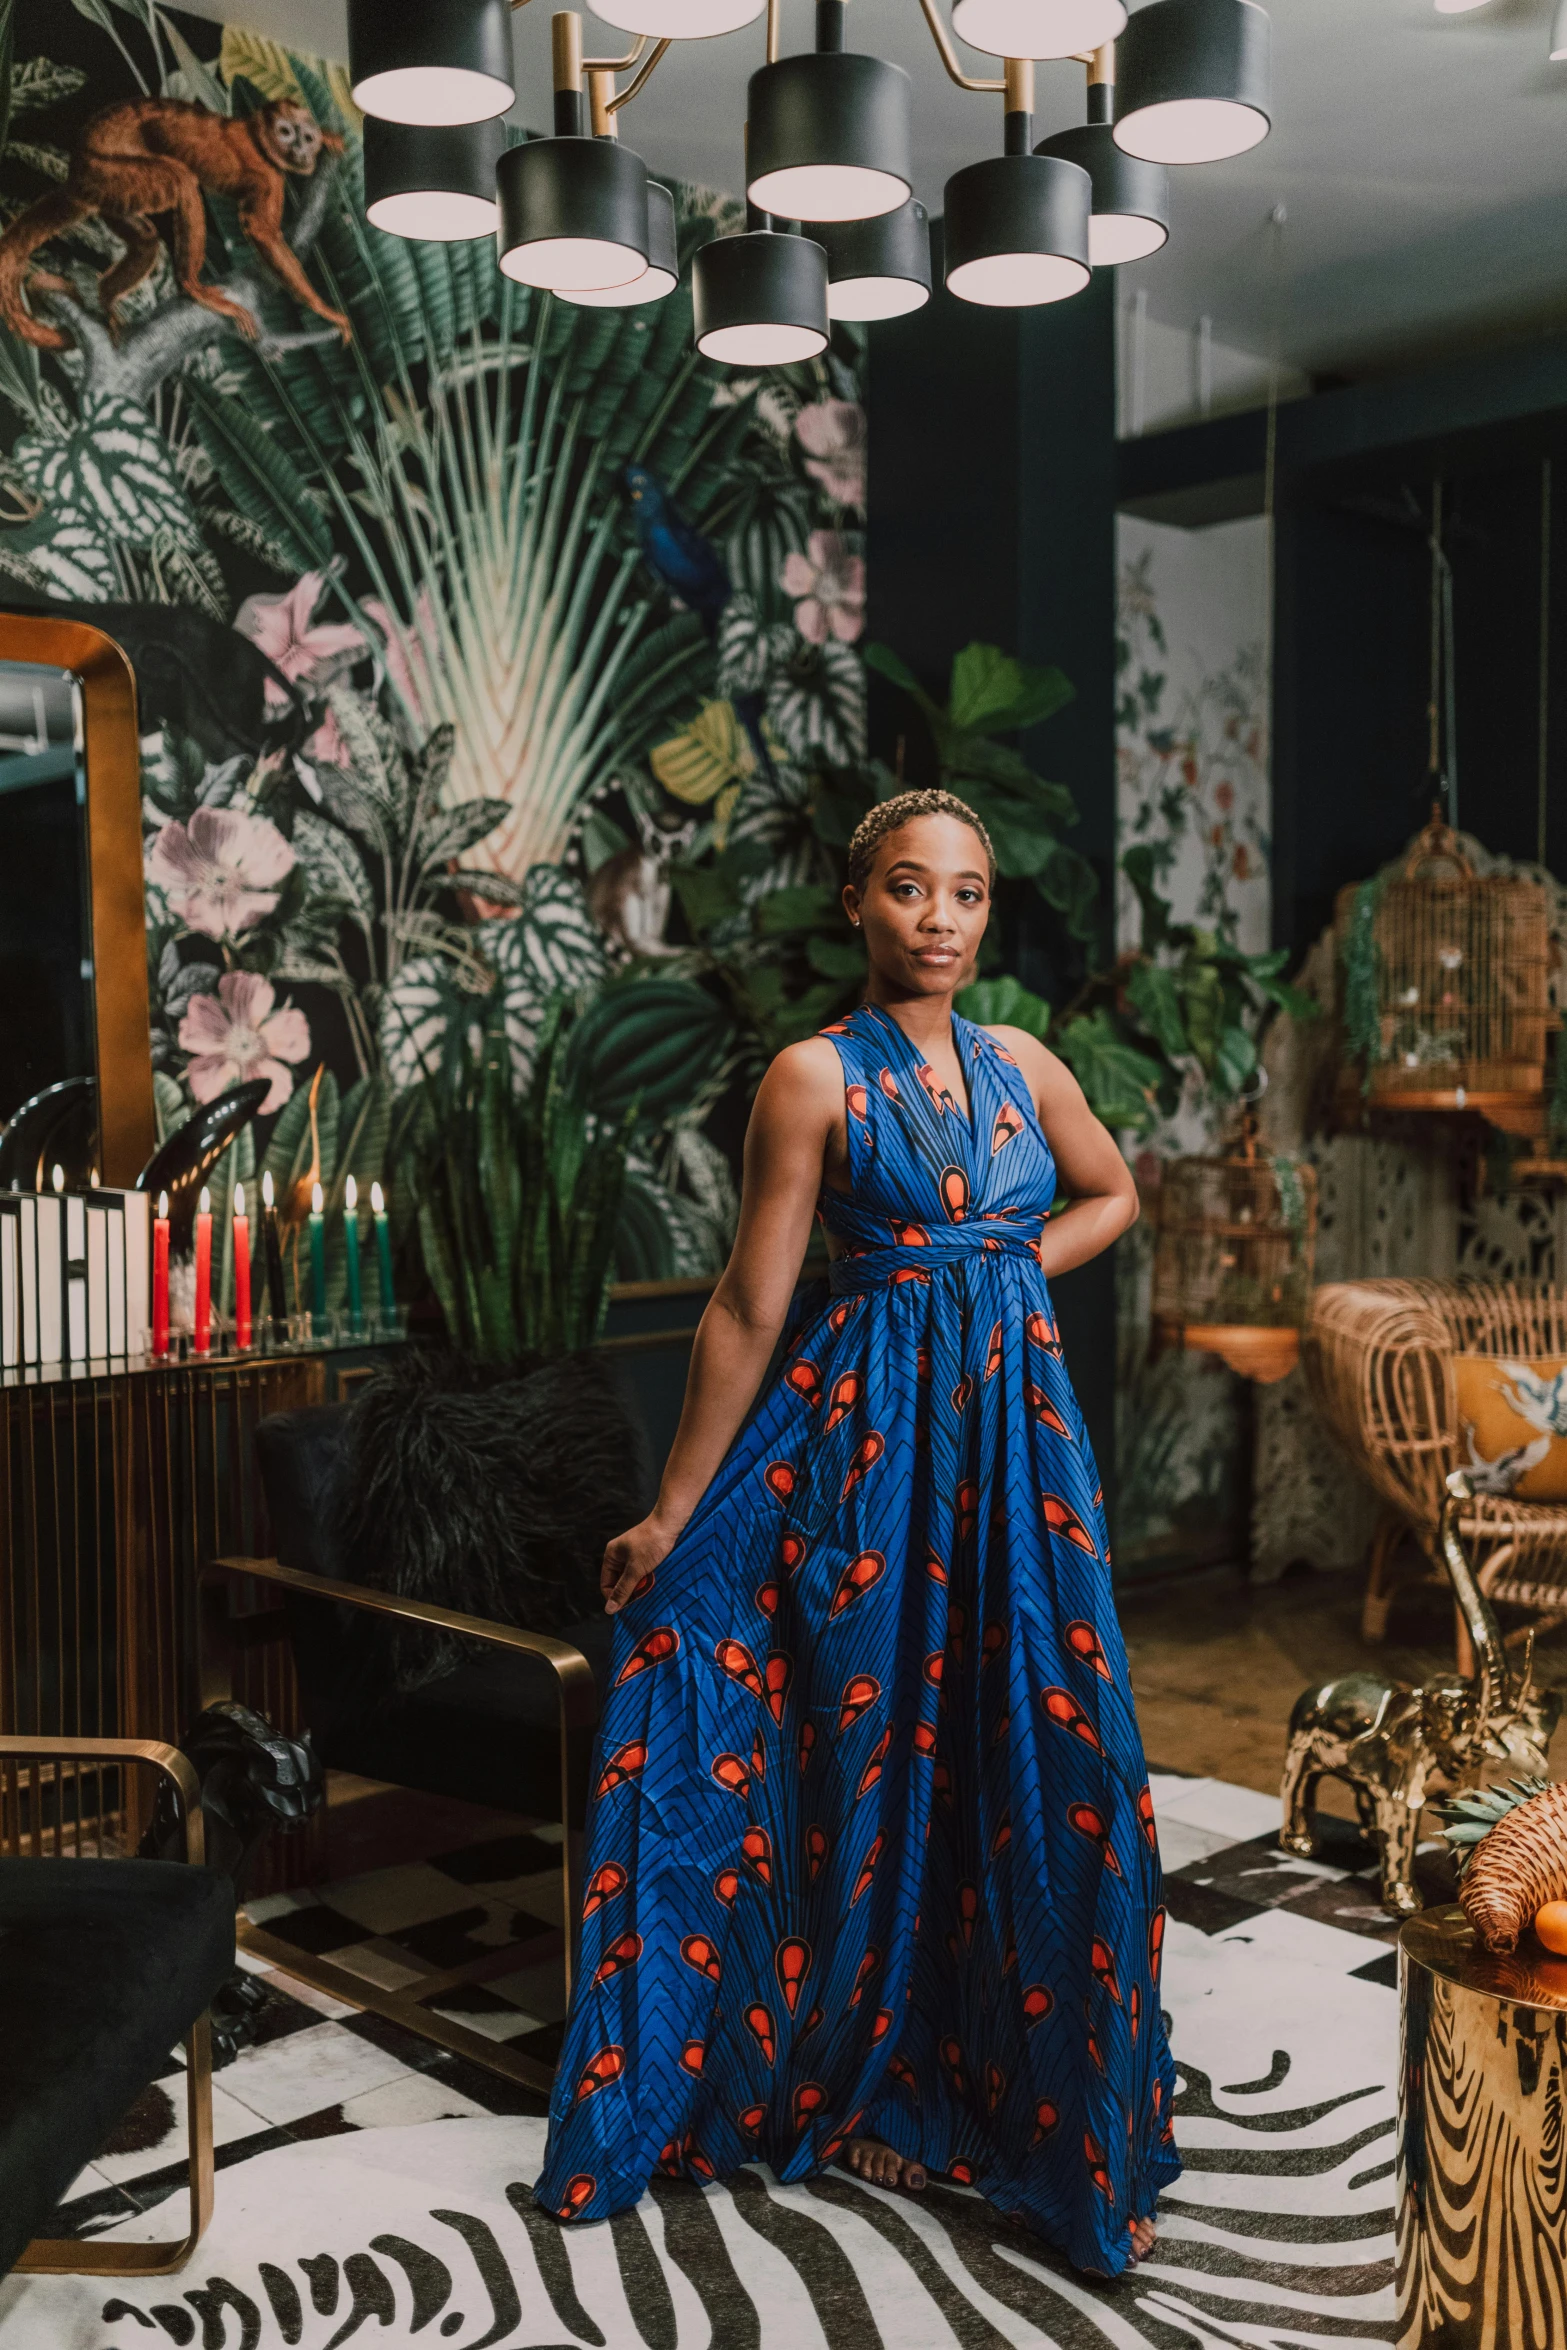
(160, 1276)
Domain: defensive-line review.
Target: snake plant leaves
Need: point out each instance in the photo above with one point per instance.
(696, 764)
(648, 1044)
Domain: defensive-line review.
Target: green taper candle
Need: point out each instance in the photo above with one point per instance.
(356, 1313)
(383, 1249)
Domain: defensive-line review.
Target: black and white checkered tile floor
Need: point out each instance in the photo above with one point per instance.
(321, 2068)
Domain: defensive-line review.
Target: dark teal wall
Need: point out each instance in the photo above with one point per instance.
(992, 518)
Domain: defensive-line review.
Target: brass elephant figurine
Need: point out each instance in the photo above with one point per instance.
(1399, 1747)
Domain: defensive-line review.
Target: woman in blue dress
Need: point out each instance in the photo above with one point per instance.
(871, 1869)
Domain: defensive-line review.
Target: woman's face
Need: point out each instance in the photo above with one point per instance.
(925, 905)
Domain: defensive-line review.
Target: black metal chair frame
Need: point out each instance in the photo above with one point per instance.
(224, 1632)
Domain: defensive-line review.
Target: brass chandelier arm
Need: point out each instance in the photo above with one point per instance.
(949, 55)
(638, 81)
(615, 64)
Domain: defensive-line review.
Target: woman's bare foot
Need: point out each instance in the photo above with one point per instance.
(1143, 2238)
(883, 2165)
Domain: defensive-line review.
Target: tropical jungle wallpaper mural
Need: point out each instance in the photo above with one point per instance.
(502, 670)
(485, 624)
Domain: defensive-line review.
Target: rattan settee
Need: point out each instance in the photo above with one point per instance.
(1378, 1357)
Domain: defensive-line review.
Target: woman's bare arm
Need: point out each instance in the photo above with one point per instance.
(1093, 1175)
(798, 1105)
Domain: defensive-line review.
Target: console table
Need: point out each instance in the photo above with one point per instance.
(115, 1485)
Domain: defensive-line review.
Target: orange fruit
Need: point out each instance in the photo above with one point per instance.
(1550, 1925)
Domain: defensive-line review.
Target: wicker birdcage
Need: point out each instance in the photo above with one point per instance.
(1234, 1254)
(1459, 963)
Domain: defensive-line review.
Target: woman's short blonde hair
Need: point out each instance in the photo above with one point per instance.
(888, 815)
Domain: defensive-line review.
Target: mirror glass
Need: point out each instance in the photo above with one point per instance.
(46, 987)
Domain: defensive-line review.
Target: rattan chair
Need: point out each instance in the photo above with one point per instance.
(1379, 1362)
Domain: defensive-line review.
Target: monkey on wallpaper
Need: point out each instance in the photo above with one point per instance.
(147, 156)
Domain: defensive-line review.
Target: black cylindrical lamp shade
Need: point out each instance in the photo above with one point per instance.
(437, 184)
(1194, 80)
(878, 268)
(760, 300)
(829, 137)
(1016, 231)
(662, 273)
(1131, 198)
(430, 61)
(573, 214)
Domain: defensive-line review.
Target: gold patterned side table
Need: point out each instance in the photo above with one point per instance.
(1482, 2142)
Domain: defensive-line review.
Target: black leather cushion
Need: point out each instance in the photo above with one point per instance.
(486, 1733)
(104, 1967)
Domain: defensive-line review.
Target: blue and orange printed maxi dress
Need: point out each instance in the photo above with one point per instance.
(871, 1847)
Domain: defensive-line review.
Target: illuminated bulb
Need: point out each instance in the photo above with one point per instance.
(1038, 28)
(1015, 281)
(679, 20)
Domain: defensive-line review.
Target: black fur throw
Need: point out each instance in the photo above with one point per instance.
(490, 1490)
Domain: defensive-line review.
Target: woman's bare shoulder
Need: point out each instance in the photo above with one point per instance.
(804, 1078)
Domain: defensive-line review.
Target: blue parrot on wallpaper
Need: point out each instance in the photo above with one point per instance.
(677, 554)
(691, 567)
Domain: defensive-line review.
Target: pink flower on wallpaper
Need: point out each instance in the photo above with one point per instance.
(236, 1035)
(326, 747)
(407, 662)
(220, 872)
(285, 629)
(832, 434)
(830, 585)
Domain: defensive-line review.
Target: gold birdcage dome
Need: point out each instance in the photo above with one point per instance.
(1446, 997)
(1233, 1258)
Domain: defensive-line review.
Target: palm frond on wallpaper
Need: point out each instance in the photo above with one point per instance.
(468, 444)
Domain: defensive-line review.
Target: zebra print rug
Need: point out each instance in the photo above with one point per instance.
(1279, 2233)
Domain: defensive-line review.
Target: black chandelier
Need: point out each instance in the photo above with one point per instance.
(833, 230)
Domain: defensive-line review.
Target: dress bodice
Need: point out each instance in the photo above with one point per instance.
(928, 1184)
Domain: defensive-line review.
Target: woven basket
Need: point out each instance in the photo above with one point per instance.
(1518, 1867)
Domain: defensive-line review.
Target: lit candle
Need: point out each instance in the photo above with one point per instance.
(272, 1250)
(241, 1269)
(204, 1272)
(58, 1178)
(160, 1271)
(356, 1312)
(317, 1263)
(383, 1248)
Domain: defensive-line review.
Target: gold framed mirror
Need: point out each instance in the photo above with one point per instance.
(73, 932)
